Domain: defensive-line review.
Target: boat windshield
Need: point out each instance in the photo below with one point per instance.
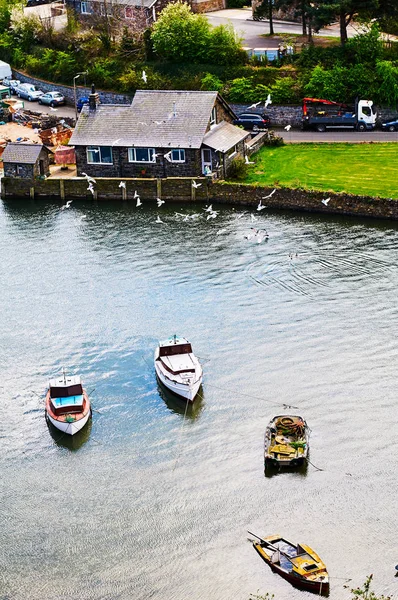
(175, 349)
(66, 391)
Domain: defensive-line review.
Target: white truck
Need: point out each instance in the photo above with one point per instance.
(321, 114)
(5, 70)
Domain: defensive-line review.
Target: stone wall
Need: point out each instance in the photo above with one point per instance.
(180, 189)
(67, 91)
(202, 6)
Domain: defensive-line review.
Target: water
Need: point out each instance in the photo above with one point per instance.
(145, 503)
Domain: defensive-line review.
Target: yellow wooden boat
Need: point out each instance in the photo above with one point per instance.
(286, 441)
(297, 563)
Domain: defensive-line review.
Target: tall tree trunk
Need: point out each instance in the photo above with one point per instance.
(271, 22)
(303, 18)
(343, 27)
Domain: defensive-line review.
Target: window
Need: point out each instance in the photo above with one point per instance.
(232, 152)
(213, 117)
(129, 12)
(146, 155)
(178, 156)
(86, 8)
(99, 155)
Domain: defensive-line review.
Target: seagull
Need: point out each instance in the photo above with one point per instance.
(53, 109)
(139, 203)
(247, 161)
(325, 202)
(260, 206)
(249, 236)
(269, 195)
(91, 188)
(168, 156)
(83, 217)
(268, 101)
(253, 218)
(116, 141)
(160, 202)
(89, 179)
(144, 76)
(288, 127)
(220, 231)
(195, 185)
(239, 215)
(212, 215)
(261, 236)
(158, 122)
(122, 184)
(67, 205)
(159, 220)
(209, 208)
(136, 195)
(254, 105)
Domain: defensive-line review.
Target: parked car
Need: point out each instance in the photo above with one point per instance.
(28, 92)
(390, 125)
(12, 84)
(52, 99)
(253, 121)
(81, 102)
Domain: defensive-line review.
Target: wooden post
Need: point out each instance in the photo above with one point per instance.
(62, 189)
(124, 193)
(32, 193)
(159, 187)
(193, 191)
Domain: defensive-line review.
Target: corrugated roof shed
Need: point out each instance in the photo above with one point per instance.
(22, 153)
(157, 119)
(224, 136)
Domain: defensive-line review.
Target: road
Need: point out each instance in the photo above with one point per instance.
(241, 20)
(342, 136)
(61, 111)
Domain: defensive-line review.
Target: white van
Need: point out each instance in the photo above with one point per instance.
(5, 70)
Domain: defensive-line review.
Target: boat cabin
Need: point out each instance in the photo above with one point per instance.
(66, 394)
(174, 346)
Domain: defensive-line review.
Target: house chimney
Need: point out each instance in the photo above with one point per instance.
(93, 99)
(174, 110)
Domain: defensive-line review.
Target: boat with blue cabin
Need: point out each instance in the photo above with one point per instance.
(67, 404)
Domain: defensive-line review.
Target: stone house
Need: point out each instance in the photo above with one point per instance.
(160, 134)
(26, 160)
(134, 10)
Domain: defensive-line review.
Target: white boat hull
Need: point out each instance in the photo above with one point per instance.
(69, 428)
(183, 390)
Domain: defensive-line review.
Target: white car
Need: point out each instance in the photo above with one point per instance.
(28, 92)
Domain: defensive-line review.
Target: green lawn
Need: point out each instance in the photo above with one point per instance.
(363, 169)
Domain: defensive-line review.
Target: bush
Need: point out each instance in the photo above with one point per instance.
(238, 169)
(211, 83)
(273, 140)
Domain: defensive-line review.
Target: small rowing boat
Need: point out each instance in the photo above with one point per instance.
(67, 404)
(298, 564)
(178, 368)
(286, 441)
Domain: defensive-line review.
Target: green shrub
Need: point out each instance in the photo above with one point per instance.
(238, 169)
(211, 83)
(273, 140)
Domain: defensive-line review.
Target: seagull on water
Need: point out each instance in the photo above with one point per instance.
(139, 203)
(67, 205)
(247, 161)
(269, 195)
(122, 184)
(325, 202)
(144, 76)
(251, 235)
(253, 218)
(159, 220)
(260, 206)
(89, 179)
(160, 202)
(195, 185)
(209, 208)
(220, 231)
(212, 215)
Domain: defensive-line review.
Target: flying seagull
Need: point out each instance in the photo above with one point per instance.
(195, 185)
(159, 220)
(269, 195)
(91, 188)
(122, 184)
(89, 179)
(260, 206)
(325, 202)
(139, 203)
(268, 101)
(209, 208)
(168, 156)
(144, 76)
(254, 105)
(288, 127)
(136, 195)
(67, 205)
(160, 202)
(247, 161)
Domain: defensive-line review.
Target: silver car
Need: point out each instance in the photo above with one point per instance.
(28, 92)
(52, 99)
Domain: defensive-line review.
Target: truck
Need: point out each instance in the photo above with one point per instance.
(5, 70)
(321, 114)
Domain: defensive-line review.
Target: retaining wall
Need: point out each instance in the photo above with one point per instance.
(180, 189)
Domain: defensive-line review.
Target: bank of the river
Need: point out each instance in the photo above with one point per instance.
(180, 189)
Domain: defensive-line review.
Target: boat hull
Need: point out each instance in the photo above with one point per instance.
(69, 427)
(188, 392)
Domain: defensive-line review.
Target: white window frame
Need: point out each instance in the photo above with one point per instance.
(132, 153)
(181, 151)
(232, 152)
(213, 117)
(87, 10)
(98, 148)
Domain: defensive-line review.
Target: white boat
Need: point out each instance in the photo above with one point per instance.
(178, 368)
(67, 404)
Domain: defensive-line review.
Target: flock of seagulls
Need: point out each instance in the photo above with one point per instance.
(266, 103)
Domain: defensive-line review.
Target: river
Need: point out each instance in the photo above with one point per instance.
(147, 503)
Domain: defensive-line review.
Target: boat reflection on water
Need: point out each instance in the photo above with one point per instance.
(71, 442)
(271, 471)
(178, 405)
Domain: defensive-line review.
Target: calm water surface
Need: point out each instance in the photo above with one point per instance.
(145, 503)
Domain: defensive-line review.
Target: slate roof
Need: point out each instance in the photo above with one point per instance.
(21, 153)
(151, 121)
(224, 136)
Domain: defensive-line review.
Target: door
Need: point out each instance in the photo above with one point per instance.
(207, 166)
(41, 167)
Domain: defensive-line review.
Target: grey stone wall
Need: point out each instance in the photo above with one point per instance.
(24, 171)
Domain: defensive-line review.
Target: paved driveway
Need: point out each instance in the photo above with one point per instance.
(251, 31)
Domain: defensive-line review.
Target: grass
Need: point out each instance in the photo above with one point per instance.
(361, 169)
